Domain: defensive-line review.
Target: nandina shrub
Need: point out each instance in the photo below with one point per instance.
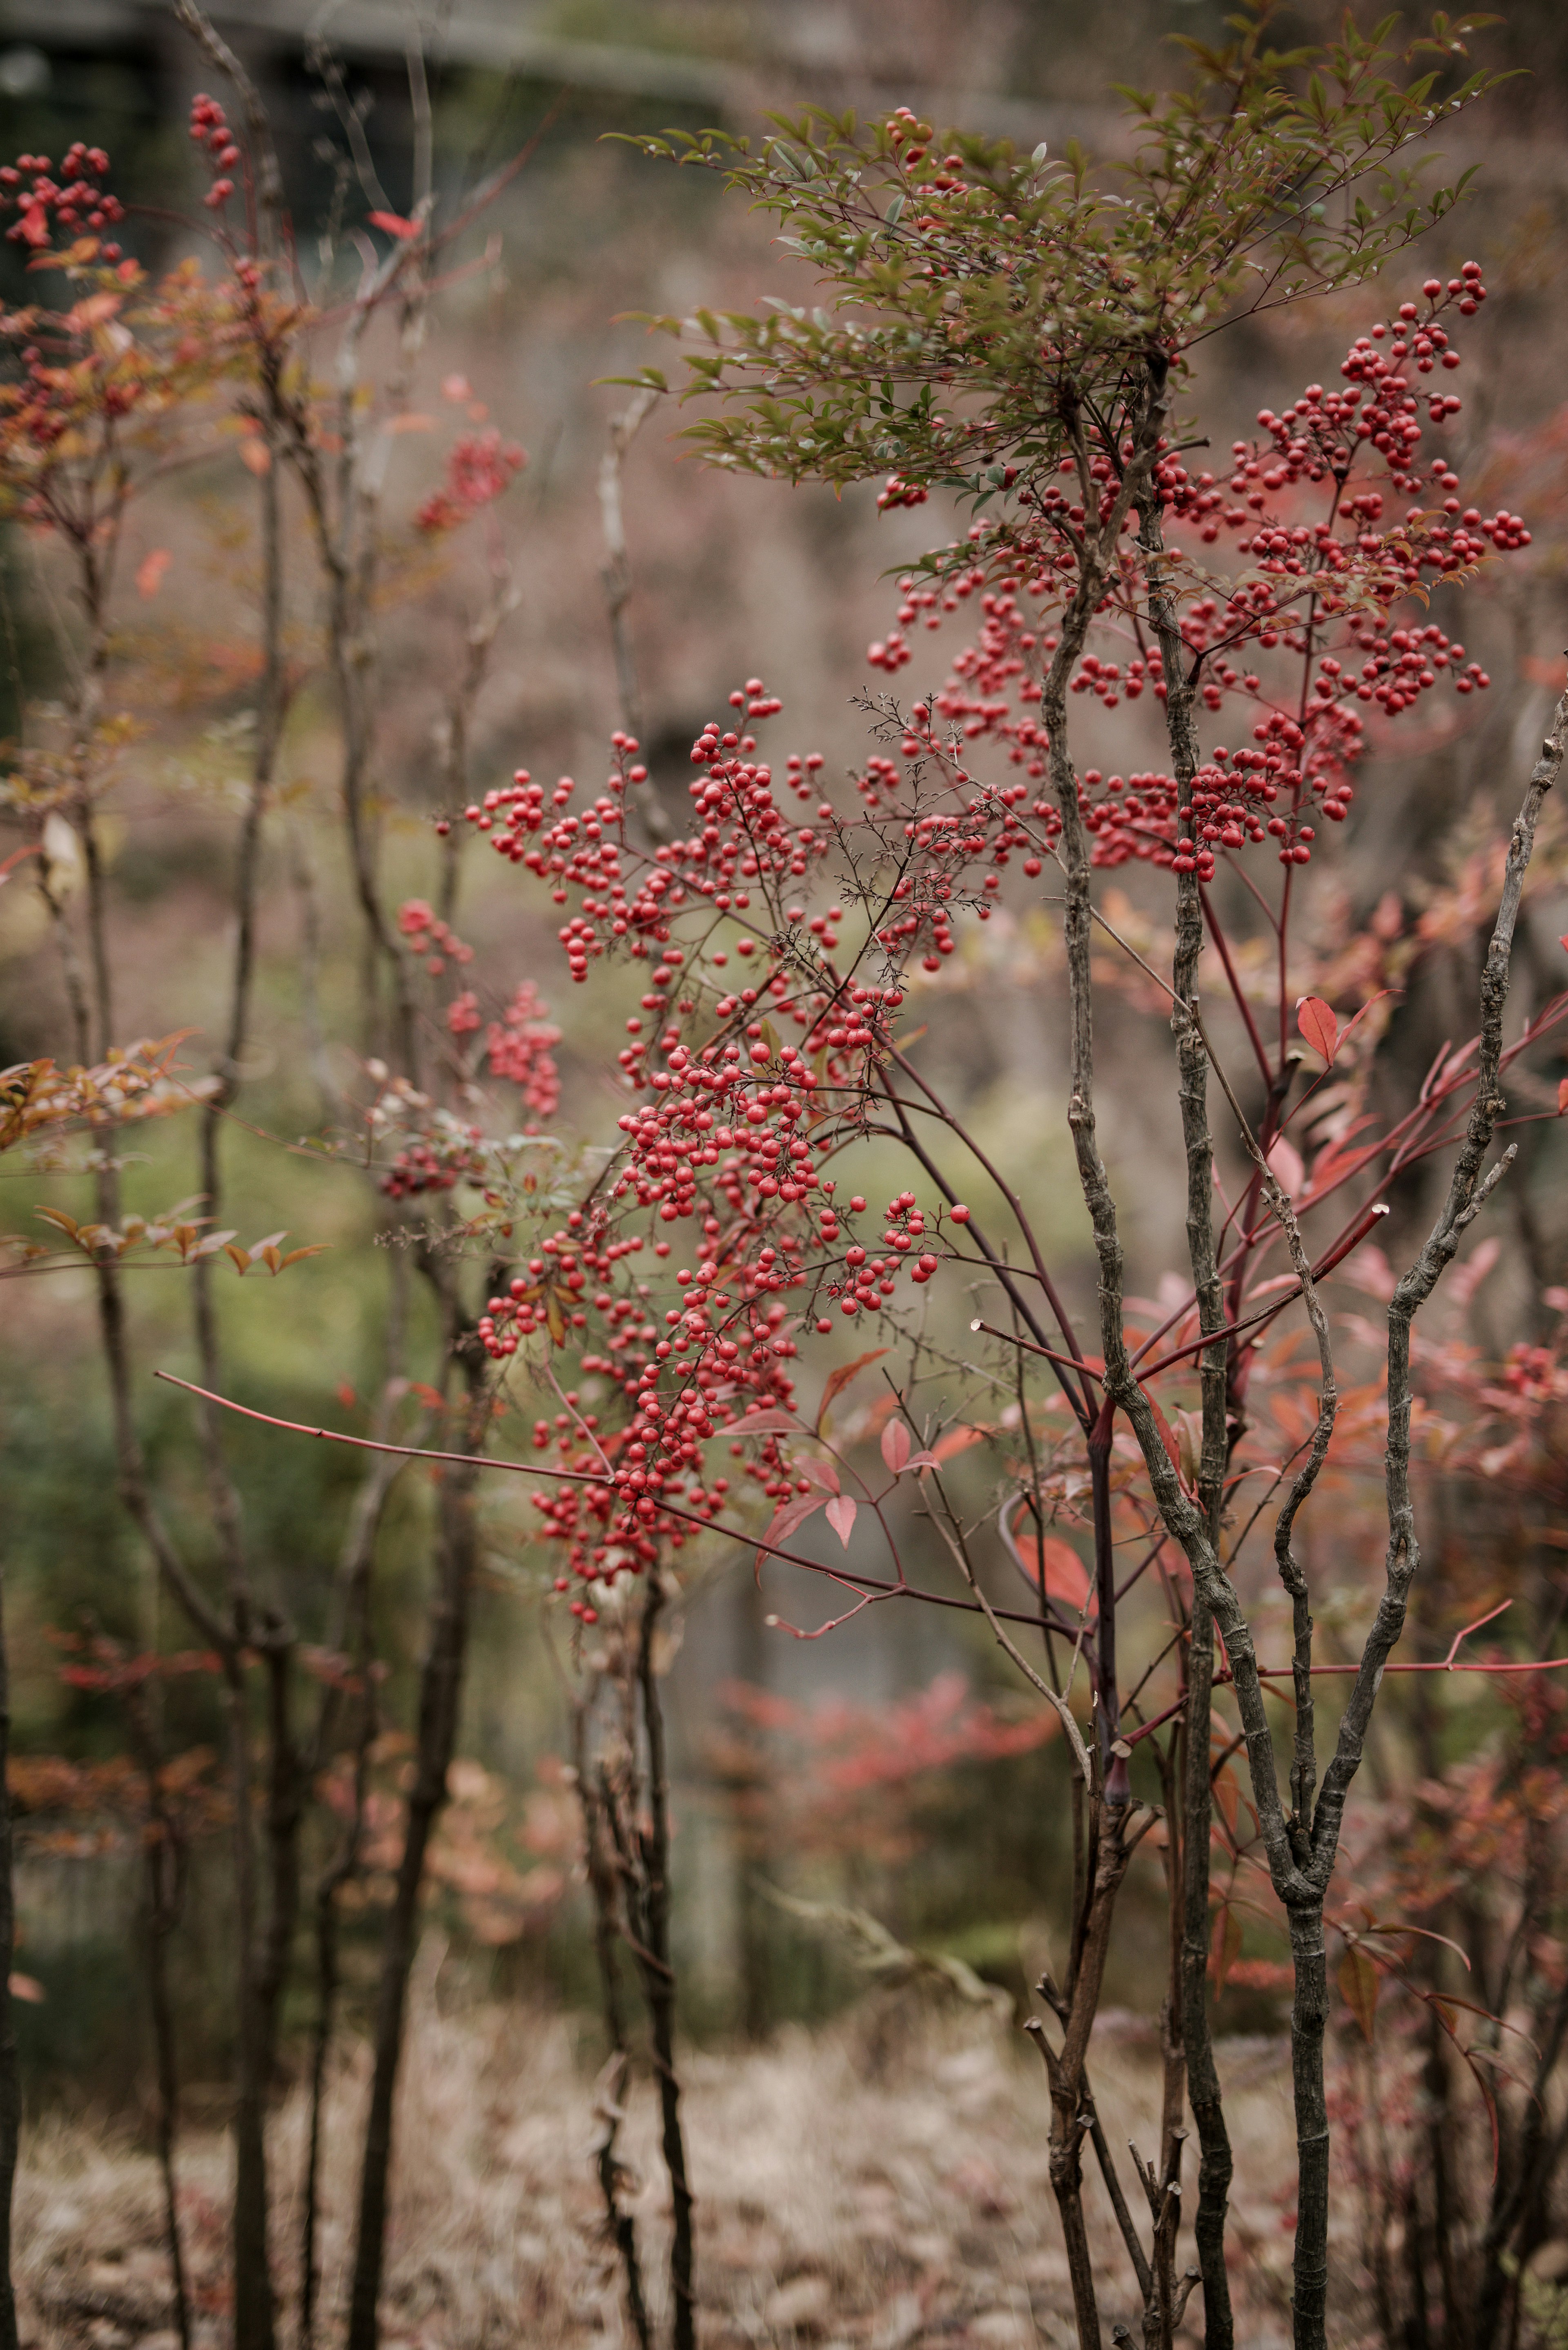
(1009, 330)
(1005, 328)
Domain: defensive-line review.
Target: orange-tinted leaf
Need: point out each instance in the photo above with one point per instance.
(255, 457)
(1066, 1577)
(841, 1378)
(395, 224)
(1318, 1024)
(1359, 1984)
(1562, 1095)
(27, 1987)
(150, 571)
(841, 1515)
(556, 1318)
(896, 1446)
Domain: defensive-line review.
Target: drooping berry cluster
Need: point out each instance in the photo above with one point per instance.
(220, 149)
(426, 935)
(518, 1048)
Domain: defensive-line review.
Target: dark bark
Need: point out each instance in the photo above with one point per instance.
(166, 1874)
(1215, 2165)
(441, 1691)
(10, 2079)
(598, 1854)
(659, 1974)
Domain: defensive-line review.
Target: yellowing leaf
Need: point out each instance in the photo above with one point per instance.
(1359, 1984)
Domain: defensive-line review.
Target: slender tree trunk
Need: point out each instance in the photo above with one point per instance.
(1309, 2020)
(441, 1691)
(1214, 2169)
(254, 2306)
(659, 1974)
(161, 1924)
(1215, 2163)
(598, 1849)
(10, 2078)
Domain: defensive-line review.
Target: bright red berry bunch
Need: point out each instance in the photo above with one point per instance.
(76, 200)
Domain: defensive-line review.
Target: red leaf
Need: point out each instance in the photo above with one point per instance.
(821, 1473)
(772, 1422)
(842, 1377)
(896, 1439)
(841, 1514)
(787, 1518)
(35, 225)
(1562, 1095)
(395, 224)
(28, 1988)
(1316, 1021)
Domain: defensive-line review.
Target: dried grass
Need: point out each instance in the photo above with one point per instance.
(882, 2184)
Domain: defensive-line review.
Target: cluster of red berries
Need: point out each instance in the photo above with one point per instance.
(425, 934)
(897, 492)
(77, 200)
(743, 836)
(209, 130)
(1312, 595)
(518, 1048)
(738, 1120)
(422, 1167)
(479, 467)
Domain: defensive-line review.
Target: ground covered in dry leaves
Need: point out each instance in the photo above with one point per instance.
(882, 2183)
